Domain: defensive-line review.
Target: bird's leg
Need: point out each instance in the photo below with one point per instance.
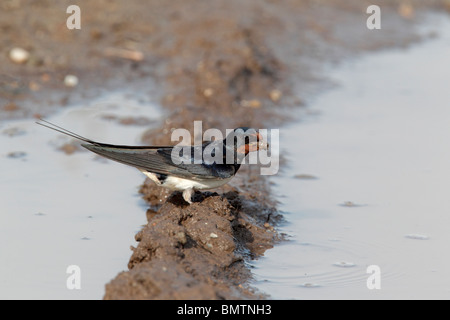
(187, 194)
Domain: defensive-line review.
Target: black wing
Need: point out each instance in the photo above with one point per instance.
(156, 159)
(159, 160)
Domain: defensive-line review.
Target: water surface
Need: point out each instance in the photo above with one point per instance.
(59, 209)
(378, 147)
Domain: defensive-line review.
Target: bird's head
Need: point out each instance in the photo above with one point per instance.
(245, 140)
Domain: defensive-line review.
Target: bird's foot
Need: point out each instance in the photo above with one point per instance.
(187, 195)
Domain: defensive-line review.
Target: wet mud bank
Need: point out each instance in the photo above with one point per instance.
(226, 63)
(196, 251)
(222, 74)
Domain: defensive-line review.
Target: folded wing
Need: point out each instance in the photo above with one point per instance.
(159, 160)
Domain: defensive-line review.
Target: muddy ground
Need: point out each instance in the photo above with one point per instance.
(227, 63)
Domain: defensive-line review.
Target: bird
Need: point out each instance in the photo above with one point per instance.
(166, 167)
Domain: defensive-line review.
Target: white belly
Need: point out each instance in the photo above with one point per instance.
(175, 183)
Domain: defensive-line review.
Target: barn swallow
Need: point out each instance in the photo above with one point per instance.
(164, 165)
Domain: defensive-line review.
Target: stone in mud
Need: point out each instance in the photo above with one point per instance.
(19, 55)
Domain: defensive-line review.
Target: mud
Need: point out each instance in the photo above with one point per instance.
(196, 251)
(227, 63)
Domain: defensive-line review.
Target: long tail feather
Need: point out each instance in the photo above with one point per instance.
(55, 127)
(62, 130)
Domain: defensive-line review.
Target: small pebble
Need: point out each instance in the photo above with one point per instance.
(69, 149)
(19, 55)
(417, 236)
(213, 235)
(71, 81)
(13, 132)
(208, 92)
(16, 154)
(406, 10)
(251, 103)
(344, 264)
(34, 86)
(310, 285)
(11, 106)
(134, 55)
(181, 237)
(275, 95)
(305, 177)
(351, 204)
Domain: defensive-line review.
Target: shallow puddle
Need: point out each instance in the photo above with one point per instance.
(61, 205)
(378, 208)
